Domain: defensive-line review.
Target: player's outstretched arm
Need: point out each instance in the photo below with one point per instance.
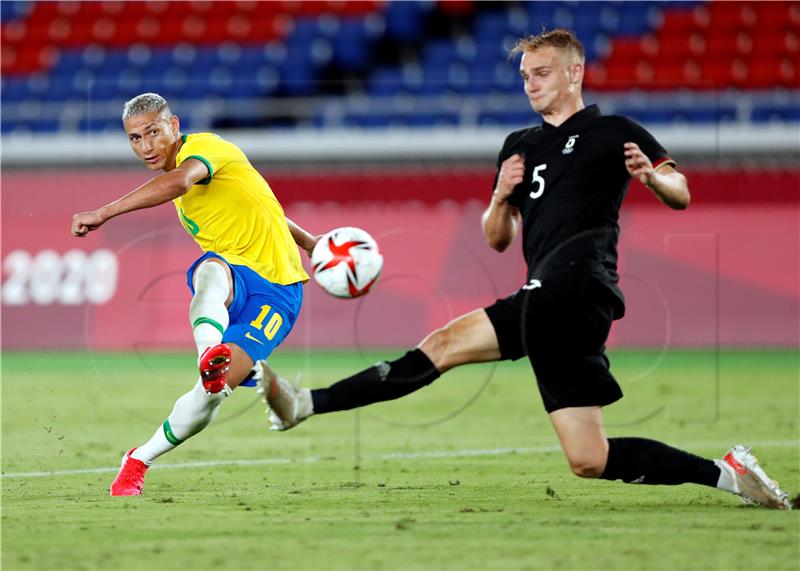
(500, 221)
(667, 184)
(159, 190)
(302, 238)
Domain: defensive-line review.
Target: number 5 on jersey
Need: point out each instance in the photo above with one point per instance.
(538, 181)
(272, 326)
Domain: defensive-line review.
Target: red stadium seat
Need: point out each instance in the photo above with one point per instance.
(677, 75)
(778, 15)
(680, 47)
(456, 7)
(767, 42)
(732, 16)
(686, 21)
(626, 49)
(732, 42)
(764, 73)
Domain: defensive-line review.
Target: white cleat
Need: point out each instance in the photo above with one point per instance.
(752, 482)
(287, 405)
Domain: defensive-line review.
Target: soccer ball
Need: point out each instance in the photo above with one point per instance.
(346, 262)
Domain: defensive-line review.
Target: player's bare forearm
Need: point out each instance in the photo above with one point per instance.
(159, 190)
(501, 220)
(500, 223)
(667, 184)
(671, 188)
(302, 238)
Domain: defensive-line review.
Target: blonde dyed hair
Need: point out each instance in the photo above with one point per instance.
(146, 103)
(561, 39)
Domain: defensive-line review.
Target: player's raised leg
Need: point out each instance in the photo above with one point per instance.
(643, 461)
(208, 311)
(191, 413)
(221, 366)
(470, 338)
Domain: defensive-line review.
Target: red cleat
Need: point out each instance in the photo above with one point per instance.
(130, 478)
(214, 365)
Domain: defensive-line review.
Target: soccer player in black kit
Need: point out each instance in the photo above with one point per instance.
(561, 184)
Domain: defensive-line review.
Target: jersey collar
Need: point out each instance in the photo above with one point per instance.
(587, 112)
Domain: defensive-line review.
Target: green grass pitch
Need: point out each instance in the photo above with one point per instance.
(462, 475)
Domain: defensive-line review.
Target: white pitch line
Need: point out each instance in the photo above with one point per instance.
(390, 456)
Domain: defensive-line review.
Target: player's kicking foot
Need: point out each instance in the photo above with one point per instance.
(215, 362)
(130, 478)
(287, 405)
(751, 482)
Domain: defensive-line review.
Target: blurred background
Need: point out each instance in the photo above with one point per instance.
(389, 116)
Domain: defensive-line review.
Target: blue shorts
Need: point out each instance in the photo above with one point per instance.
(261, 314)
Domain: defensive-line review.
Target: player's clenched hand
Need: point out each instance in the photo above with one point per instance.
(512, 172)
(85, 222)
(638, 165)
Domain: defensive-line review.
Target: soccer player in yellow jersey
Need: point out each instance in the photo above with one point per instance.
(246, 287)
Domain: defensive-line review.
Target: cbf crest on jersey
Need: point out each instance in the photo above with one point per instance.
(568, 148)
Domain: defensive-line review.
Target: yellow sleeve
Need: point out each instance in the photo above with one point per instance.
(211, 151)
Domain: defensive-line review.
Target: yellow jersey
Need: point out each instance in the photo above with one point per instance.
(234, 213)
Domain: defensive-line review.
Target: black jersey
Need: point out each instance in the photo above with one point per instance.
(575, 180)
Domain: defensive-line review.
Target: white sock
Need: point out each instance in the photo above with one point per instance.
(192, 413)
(207, 312)
(727, 477)
(306, 404)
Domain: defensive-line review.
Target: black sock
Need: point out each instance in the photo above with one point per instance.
(643, 461)
(381, 382)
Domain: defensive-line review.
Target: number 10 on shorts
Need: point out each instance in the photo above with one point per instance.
(273, 324)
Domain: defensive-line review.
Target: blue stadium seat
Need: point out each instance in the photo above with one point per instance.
(492, 26)
(304, 31)
(386, 81)
(126, 84)
(69, 62)
(114, 61)
(351, 46)
(59, 89)
(481, 80)
(266, 79)
(14, 10)
(636, 18)
(297, 74)
(103, 88)
(769, 113)
(439, 53)
(162, 58)
(429, 119)
(550, 15)
(251, 57)
(404, 20)
(206, 56)
(229, 54)
(184, 55)
(244, 84)
(587, 23)
(42, 125)
(706, 115)
(139, 55)
(98, 124)
(13, 89)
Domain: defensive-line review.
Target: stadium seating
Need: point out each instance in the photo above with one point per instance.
(69, 65)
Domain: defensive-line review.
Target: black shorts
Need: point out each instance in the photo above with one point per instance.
(561, 324)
